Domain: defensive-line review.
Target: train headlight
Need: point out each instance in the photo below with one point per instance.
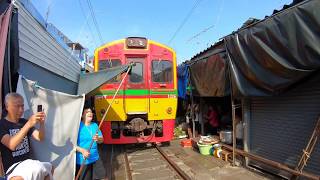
(169, 110)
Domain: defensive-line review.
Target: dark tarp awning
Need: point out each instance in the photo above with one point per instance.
(270, 56)
(210, 74)
(90, 81)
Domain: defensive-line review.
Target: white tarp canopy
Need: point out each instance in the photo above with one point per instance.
(62, 123)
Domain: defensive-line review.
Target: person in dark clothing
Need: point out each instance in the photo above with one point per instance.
(226, 120)
(15, 133)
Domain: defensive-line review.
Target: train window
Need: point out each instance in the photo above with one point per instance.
(161, 71)
(136, 75)
(108, 63)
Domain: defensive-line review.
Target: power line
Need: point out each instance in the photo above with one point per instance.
(94, 20)
(88, 25)
(203, 31)
(212, 26)
(185, 20)
(221, 9)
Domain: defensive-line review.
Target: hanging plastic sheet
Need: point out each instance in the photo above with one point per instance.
(11, 58)
(277, 53)
(4, 28)
(63, 114)
(210, 74)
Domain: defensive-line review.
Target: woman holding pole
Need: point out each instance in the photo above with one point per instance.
(93, 167)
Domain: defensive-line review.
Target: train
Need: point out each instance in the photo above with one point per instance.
(144, 109)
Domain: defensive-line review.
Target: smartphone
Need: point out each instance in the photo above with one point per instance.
(39, 109)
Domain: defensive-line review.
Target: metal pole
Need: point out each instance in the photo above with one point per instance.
(201, 116)
(233, 111)
(233, 132)
(192, 110)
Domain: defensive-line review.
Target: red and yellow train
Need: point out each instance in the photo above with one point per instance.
(144, 109)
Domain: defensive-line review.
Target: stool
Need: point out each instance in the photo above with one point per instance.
(225, 155)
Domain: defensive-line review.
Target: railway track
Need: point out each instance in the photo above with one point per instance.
(150, 163)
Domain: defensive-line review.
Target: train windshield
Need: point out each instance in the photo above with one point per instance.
(136, 75)
(161, 71)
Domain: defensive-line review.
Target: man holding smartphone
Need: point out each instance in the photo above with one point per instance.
(15, 133)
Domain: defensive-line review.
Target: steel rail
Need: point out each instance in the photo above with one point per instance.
(126, 160)
(173, 165)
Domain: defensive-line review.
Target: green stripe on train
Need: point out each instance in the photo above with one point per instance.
(163, 92)
(136, 92)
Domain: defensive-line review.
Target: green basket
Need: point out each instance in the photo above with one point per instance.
(204, 148)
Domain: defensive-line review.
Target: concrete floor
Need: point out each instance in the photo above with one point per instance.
(201, 167)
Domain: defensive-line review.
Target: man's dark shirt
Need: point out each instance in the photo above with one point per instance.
(22, 151)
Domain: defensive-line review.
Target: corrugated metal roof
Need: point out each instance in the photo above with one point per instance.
(212, 47)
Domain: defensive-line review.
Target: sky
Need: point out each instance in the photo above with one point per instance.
(187, 26)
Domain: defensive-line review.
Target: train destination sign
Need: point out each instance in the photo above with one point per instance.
(136, 42)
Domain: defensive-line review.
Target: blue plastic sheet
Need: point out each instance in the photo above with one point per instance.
(183, 80)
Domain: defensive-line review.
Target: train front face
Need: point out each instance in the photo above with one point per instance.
(144, 109)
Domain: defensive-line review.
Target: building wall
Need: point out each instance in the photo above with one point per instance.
(280, 127)
(45, 78)
(38, 47)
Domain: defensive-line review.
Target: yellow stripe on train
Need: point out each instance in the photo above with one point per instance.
(156, 108)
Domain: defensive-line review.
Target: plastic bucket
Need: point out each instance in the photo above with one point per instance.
(204, 148)
(217, 150)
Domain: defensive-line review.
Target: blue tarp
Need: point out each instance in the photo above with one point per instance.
(183, 80)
